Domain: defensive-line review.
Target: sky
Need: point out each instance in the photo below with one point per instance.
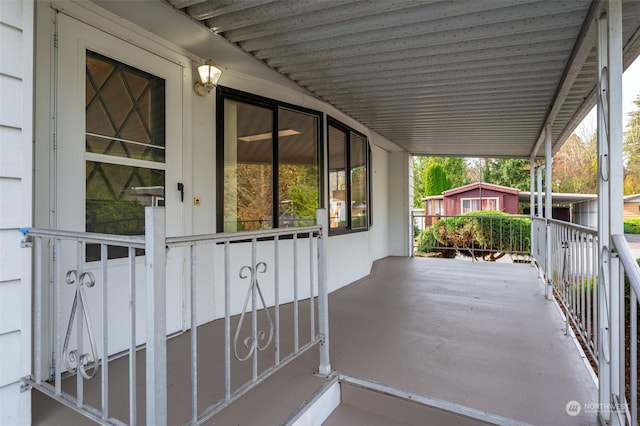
(630, 92)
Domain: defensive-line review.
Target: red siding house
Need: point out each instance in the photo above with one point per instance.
(480, 196)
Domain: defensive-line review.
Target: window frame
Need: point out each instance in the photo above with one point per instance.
(349, 131)
(226, 93)
(462, 200)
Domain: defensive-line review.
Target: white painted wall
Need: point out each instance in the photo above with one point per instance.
(378, 246)
(399, 203)
(16, 82)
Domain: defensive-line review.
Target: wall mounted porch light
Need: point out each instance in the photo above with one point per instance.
(209, 76)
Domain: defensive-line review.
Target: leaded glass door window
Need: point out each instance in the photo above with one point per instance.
(125, 146)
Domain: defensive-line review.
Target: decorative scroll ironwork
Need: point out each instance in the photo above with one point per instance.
(605, 337)
(603, 111)
(252, 342)
(72, 359)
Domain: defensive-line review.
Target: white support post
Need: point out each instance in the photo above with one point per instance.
(532, 187)
(604, 378)
(610, 213)
(156, 350)
(323, 294)
(532, 207)
(539, 206)
(548, 208)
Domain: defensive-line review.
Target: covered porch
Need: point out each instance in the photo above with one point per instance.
(476, 334)
(380, 82)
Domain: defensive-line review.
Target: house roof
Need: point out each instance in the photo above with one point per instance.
(478, 185)
(433, 197)
(458, 78)
(560, 197)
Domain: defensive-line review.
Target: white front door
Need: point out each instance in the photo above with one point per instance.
(119, 148)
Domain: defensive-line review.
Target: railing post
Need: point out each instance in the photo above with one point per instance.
(156, 350)
(548, 209)
(323, 294)
(610, 207)
(532, 195)
(412, 236)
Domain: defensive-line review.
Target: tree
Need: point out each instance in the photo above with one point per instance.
(455, 169)
(575, 166)
(632, 151)
(512, 172)
(436, 180)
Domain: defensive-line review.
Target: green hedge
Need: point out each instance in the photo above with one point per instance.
(489, 234)
(632, 226)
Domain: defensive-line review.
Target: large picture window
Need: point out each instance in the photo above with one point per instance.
(268, 163)
(349, 182)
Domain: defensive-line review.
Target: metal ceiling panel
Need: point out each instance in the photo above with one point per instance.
(468, 77)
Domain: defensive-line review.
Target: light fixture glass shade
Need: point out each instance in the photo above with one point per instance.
(209, 75)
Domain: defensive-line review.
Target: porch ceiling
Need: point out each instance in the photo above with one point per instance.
(458, 78)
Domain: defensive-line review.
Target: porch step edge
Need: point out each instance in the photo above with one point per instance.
(427, 401)
(315, 410)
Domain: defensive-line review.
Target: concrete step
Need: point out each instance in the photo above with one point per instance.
(361, 406)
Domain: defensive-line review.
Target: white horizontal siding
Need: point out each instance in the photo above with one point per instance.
(9, 146)
(11, 303)
(11, 13)
(11, 402)
(9, 355)
(10, 257)
(10, 101)
(10, 36)
(10, 214)
(16, 89)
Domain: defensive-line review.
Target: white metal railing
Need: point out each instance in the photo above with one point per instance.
(257, 273)
(574, 275)
(256, 301)
(578, 273)
(628, 392)
(539, 240)
(479, 236)
(61, 303)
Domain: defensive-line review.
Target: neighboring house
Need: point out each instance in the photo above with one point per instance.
(472, 197)
(433, 209)
(480, 196)
(632, 206)
(577, 208)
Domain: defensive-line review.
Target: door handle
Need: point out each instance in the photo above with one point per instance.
(181, 189)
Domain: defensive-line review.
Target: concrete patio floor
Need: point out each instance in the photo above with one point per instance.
(478, 334)
(473, 333)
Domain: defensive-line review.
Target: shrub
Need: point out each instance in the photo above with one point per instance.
(428, 243)
(490, 234)
(632, 226)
